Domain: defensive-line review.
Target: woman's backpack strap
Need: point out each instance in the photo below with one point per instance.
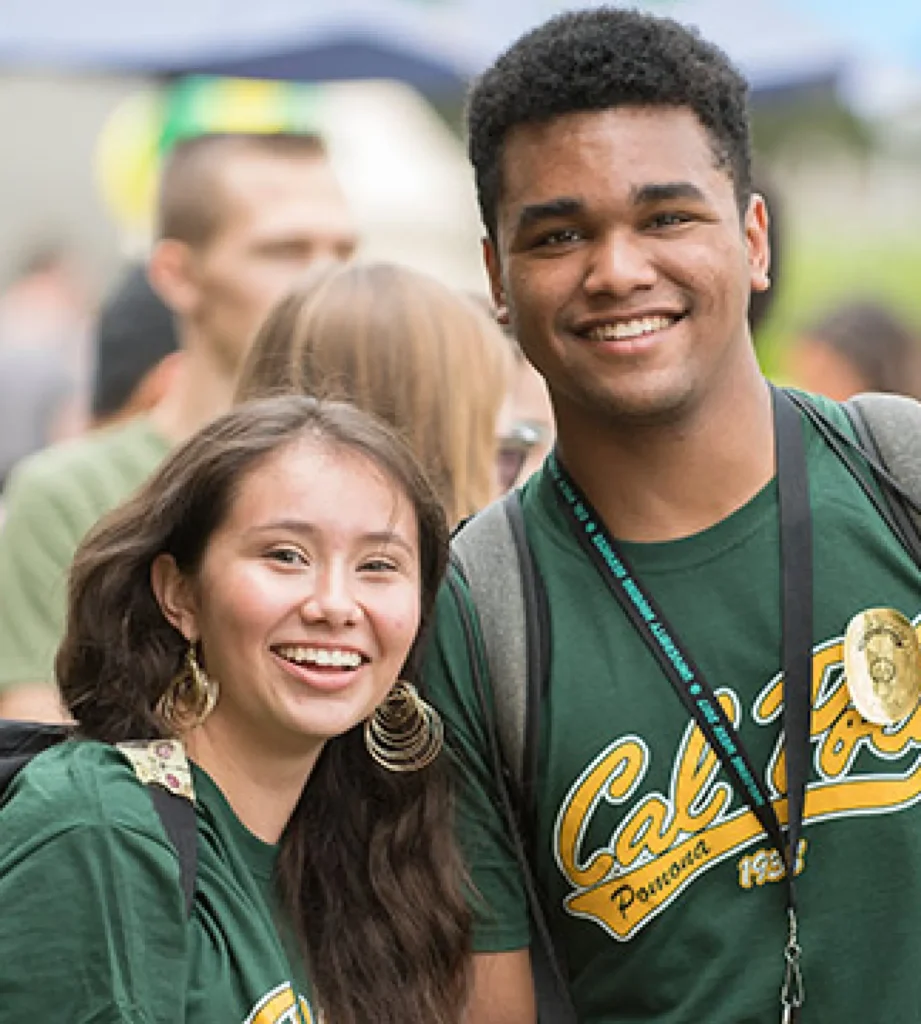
(162, 766)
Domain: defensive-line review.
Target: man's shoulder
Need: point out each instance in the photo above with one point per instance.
(113, 449)
(830, 408)
(91, 473)
(488, 579)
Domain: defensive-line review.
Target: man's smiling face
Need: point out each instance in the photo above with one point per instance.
(623, 261)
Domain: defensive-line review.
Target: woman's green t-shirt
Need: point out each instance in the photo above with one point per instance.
(93, 926)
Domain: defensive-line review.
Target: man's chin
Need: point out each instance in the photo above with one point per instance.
(643, 404)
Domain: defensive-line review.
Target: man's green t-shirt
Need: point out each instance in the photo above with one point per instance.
(51, 501)
(94, 926)
(662, 888)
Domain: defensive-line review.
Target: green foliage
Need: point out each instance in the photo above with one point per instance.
(819, 272)
(809, 123)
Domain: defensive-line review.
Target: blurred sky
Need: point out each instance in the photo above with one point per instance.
(436, 40)
(888, 28)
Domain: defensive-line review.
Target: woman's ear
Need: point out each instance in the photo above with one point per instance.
(173, 592)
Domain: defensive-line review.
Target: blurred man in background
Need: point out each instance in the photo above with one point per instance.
(47, 304)
(240, 219)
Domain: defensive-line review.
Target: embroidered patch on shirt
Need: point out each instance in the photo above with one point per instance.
(162, 762)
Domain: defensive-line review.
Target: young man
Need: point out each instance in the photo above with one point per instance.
(241, 218)
(611, 154)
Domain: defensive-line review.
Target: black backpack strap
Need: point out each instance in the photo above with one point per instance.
(491, 554)
(161, 765)
(177, 813)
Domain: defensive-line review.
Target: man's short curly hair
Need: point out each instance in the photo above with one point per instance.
(601, 58)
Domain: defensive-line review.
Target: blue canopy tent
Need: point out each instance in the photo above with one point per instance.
(434, 45)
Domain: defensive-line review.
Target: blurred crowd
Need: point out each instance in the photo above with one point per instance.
(72, 361)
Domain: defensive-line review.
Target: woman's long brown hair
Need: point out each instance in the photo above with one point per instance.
(368, 868)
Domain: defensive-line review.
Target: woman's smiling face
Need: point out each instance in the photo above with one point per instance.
(307, 600)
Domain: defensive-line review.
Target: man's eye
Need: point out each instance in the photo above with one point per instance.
(563, 236)
(668, 220)
(287, 250)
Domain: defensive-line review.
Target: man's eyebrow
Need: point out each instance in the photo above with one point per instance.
(662, 192)
(568, 206)
(534, 213)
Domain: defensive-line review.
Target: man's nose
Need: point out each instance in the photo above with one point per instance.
(620, 263)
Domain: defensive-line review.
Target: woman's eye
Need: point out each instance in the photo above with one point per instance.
(378, 565)
(287, 556)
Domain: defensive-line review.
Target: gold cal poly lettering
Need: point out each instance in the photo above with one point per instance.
(281, 1006)
(664, 843)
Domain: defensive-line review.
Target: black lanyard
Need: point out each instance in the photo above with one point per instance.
(691, 686)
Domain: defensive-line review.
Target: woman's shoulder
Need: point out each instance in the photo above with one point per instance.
(97, 919)
(77, 784)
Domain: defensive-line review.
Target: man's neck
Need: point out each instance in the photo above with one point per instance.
(200, 391)
(659, 482)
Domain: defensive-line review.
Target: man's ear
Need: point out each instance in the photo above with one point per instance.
(494, 272)
(173, 592)
(171, 271)
(759, 248)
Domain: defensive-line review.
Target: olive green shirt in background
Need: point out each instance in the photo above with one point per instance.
(51, 500)
(661, 885)
(94, 928)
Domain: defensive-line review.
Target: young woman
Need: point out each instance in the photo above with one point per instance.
(399, 344)
(254, 608)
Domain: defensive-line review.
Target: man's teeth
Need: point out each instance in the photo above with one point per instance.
(629, 328)
(326, 656)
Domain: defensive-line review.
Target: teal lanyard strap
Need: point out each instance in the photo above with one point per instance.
(691, 686)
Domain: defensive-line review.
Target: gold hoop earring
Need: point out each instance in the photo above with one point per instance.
(190, 696)
(405, 733)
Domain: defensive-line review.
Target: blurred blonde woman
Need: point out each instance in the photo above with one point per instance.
(401, 345)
